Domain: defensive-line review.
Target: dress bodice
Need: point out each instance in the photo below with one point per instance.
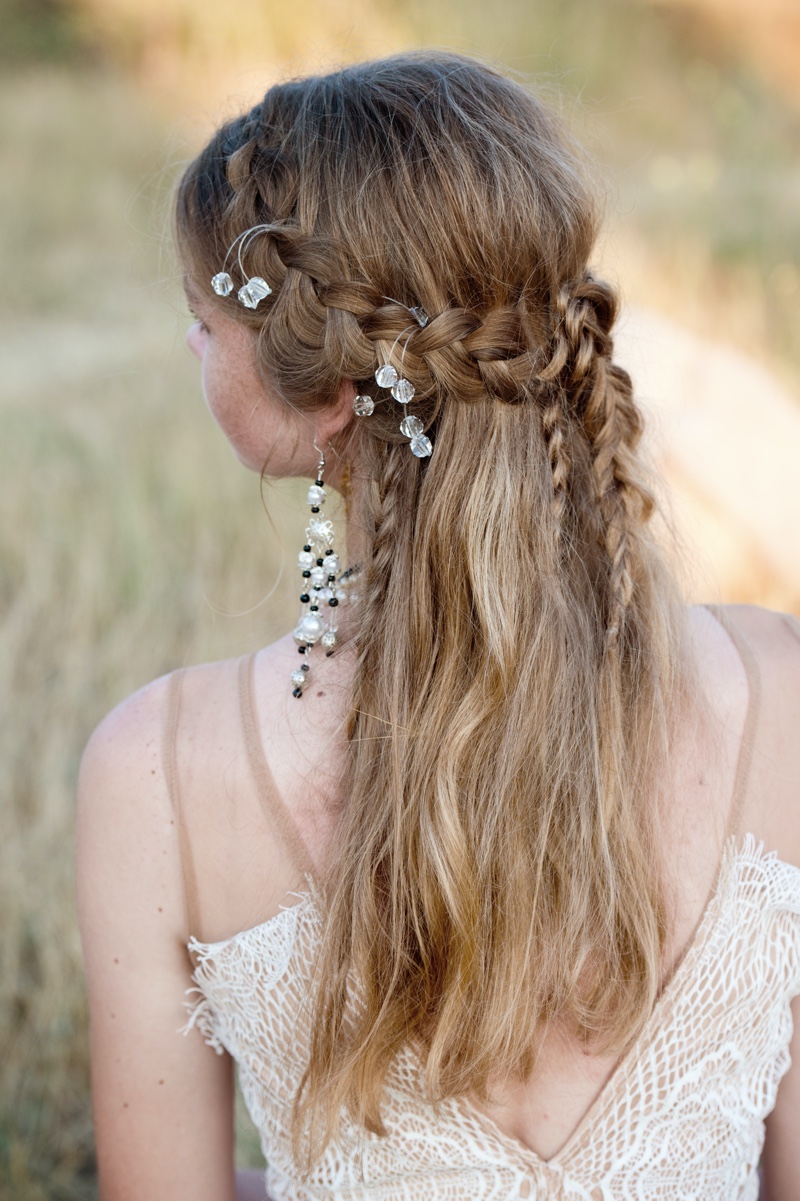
(682, 1115)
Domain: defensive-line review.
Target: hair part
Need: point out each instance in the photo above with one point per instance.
(520, 638)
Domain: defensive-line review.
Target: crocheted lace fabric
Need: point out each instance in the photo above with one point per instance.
(681, 1117)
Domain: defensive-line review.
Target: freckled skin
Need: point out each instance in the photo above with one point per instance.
(263, 431)
(233, 391)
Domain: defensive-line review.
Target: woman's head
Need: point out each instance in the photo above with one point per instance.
(432, 180)
(517, 632)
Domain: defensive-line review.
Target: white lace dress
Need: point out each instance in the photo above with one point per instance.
(682, 1116)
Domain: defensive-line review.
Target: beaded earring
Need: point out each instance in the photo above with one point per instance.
(324, 584)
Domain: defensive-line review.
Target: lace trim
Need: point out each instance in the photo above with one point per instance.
(681, 1116)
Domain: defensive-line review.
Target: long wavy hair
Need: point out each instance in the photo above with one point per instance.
(520, 641)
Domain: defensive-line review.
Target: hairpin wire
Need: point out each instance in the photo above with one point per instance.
(241, 244)
(417, 311)
(405, 344)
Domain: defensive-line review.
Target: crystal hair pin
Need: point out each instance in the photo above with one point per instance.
(254, 289)
(401, 388)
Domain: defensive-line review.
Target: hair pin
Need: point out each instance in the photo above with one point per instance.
(416, 311)
(255, 288)
(402, 390)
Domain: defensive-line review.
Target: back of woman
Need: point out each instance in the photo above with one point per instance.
(473, 887)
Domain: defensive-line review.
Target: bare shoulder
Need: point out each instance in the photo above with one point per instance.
(767, 630)
(769, 642)
(123, 763)
(121, 785)
(178, 736)
(162, 1103)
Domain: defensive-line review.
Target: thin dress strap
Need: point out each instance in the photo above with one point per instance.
(753, 674)
(268, 794)
(792, 625)
(169, 761)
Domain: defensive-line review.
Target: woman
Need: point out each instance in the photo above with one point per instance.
(472, 887)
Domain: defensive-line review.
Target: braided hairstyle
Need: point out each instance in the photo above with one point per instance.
(495, 866)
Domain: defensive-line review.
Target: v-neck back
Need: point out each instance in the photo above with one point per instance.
(680, 1115)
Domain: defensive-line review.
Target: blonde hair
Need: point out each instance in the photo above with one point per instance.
(520, 639)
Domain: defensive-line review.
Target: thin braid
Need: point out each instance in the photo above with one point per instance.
(601, 396)
(625, 502)
(554, 425)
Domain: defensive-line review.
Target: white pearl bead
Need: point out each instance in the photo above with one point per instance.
(312, 627)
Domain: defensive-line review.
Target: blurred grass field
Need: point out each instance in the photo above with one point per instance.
(131, 540)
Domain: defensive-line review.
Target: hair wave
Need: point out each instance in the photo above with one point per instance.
(519, 652)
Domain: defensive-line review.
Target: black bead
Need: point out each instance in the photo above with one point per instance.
(298, 692)
(305, 667)
(319, 562)
(329, 551)
(333, 602)
(306, 575)
(306, 548)
(331, 577)
(314, 609)
(304, 598)
(301, 650)
(315, 508)
(318, 483)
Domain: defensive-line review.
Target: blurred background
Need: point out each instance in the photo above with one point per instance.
(132, 542)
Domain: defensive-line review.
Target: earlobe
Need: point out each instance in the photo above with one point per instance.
(195, 337)
(338, 416)
(344, 401)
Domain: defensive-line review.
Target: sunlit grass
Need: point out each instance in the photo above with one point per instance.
(130, 542)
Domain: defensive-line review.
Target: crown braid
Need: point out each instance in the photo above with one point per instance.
(468, 357)
(461, 353)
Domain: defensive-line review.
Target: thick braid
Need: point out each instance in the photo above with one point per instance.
(458, 354)
(263, 179)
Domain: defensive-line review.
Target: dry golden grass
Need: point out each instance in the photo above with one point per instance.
(129, 538)
(129, 533)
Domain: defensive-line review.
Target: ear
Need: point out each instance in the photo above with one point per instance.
(336, 417)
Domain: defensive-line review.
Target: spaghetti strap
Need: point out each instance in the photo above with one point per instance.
(792, 625)
(169, 761)
(753, 674)
(268, 795)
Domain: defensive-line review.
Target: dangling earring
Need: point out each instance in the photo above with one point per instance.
(321, 593)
